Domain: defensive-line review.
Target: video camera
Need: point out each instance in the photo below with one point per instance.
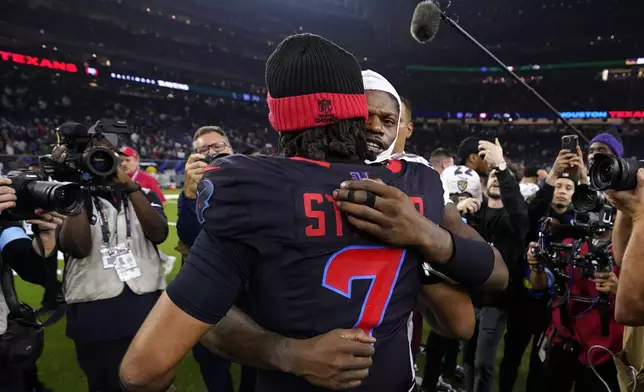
(33, 192)
(592, 211)
(610, 172)
(85, 156)
(559, 246)
(560, 249)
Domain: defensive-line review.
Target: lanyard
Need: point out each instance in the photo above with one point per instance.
(105, 230)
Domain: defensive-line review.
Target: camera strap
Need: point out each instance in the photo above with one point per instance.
(105, 230)
(128, 224)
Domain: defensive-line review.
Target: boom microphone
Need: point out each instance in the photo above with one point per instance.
(425, 22)
(424, 26)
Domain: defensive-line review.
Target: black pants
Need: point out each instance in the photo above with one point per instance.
(12, 386)
(567, 372)
(100, 362)
(528, 319)
(215, 370)
(441, 354)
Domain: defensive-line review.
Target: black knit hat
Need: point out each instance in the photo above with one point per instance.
(469, 146)
(312, 82)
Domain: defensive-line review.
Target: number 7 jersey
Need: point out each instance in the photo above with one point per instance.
(316, 273)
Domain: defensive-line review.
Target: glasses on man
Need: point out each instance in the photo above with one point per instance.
(214, 147)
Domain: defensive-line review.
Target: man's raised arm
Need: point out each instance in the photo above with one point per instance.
(629, 302)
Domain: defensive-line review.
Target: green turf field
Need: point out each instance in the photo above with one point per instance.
(59, 370)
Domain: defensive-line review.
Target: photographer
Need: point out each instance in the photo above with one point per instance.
(208, 142)
(17, 324)
(627, 234)
(529, 313)
(113, 273)
(502, 222)
(581, 321)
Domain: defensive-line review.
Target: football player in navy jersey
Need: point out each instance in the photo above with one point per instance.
(283, 228)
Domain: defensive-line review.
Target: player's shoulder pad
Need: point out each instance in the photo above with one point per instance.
(235, 192)
(412, 158)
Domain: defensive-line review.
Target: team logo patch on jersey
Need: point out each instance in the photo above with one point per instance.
(462, 185)
(206, 189)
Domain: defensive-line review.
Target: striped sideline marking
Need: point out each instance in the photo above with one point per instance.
(171, 198)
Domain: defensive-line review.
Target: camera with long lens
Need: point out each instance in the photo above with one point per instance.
(610, 172)
(85, 156)
(33, 192)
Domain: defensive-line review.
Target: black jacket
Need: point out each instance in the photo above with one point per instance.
(506, 230)
(541, 207)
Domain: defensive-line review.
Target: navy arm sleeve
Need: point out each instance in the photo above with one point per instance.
(215, 274)
(155, 203)
(18, 253)
(188, 225)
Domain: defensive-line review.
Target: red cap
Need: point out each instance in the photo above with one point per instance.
(129, 151)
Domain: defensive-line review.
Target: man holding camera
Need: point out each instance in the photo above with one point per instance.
(627, 234)
(25, 256)
(208, 142)
(570, 349)
(529, 313)
(574, 264)
(113, 273)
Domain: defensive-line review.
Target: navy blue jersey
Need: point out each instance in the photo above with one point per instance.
(306, 269)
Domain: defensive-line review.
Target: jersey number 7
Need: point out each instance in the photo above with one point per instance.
(381, 265)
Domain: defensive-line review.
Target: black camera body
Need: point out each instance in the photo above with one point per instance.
(610, 172)
(32, 191)
(85, 156)
(592, 211)
(557, 255)
(211, 158)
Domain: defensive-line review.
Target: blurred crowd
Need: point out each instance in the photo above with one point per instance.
(33, 104)
(224, 47)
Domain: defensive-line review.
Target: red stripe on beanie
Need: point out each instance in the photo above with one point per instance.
(301, 112)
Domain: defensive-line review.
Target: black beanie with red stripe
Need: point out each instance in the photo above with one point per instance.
(311, 83)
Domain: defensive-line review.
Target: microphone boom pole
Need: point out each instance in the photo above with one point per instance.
(516, 77)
